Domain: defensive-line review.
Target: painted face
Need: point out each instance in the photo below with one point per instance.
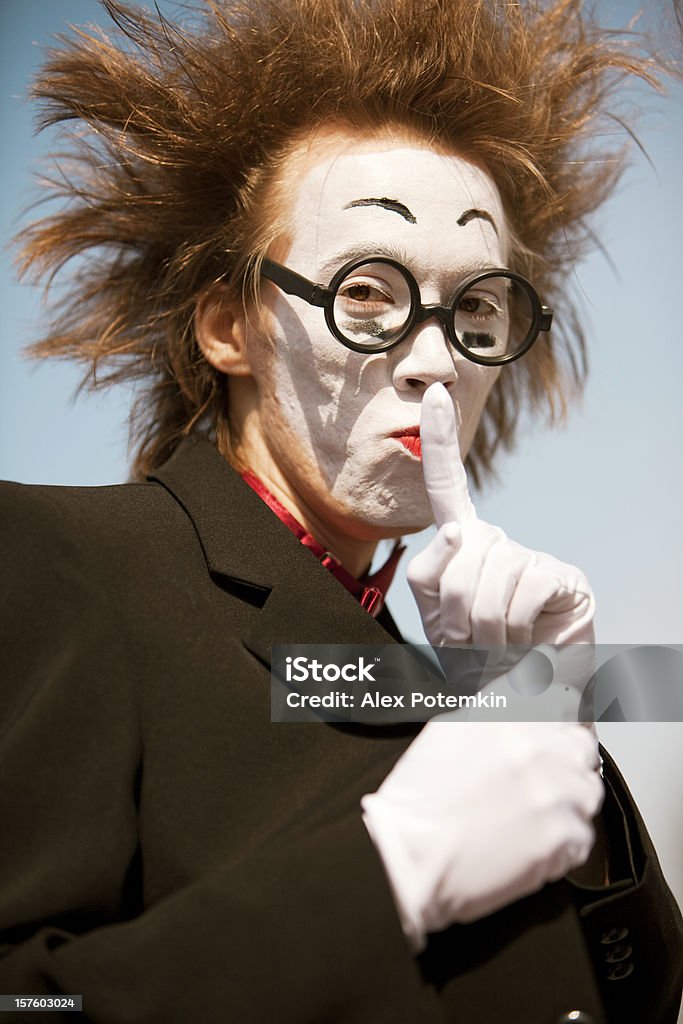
(337, 423)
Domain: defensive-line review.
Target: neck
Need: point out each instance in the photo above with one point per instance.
(328, 525)
(354, 553)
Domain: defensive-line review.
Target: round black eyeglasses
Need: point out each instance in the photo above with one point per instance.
(372, 304)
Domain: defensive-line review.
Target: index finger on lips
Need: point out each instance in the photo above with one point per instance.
(444, 473)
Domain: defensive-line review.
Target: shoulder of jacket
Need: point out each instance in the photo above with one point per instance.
(71, 524)
(53, 507)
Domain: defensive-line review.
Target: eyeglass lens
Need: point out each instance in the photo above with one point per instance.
(373, 305)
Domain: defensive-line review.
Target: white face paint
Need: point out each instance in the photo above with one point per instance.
(328, 416)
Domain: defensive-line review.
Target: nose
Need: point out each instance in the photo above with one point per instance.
(425, 357)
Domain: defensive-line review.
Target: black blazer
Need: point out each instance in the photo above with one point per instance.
(173, 856)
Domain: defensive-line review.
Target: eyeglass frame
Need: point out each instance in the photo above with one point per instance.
(323, 296)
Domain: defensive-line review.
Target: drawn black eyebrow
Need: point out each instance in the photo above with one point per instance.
(387, 204)
(469, 215)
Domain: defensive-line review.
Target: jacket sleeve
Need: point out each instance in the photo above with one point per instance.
(267, 939)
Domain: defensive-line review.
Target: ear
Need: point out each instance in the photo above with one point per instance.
(220, 327)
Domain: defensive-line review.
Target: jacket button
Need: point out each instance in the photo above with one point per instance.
(575, 1017)
(620, 971)
(615, 954)
(614, 934)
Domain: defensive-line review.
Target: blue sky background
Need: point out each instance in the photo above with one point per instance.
(606, 493)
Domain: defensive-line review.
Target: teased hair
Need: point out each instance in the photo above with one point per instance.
(176, 132)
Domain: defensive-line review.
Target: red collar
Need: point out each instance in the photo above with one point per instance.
(369, 589)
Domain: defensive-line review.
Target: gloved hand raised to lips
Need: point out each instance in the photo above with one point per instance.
(473, 584)
(474, 816)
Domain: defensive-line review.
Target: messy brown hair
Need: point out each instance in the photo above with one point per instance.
(176, 131)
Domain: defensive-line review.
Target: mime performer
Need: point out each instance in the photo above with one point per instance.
(330, 240)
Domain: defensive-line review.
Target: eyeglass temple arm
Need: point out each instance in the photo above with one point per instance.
(295, 284)
(546, 318)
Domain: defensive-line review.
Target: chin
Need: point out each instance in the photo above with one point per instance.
(385, 513)
(414, 524)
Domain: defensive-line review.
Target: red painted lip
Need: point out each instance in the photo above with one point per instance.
(409, 437)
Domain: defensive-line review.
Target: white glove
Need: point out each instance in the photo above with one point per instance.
(471, 583)
(475, 816)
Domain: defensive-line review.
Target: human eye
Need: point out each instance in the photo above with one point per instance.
(480, 307)
(365, 296)
(482, 315)
(372, 303)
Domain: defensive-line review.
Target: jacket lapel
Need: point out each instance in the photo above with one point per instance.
(244, 541)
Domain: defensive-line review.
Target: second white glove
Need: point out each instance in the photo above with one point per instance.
(474, 816)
